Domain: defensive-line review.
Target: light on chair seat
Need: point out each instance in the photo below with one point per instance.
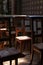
(3, 28)
(23, 37)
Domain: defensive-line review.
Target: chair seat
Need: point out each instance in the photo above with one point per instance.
(23, 38)
(38, 46)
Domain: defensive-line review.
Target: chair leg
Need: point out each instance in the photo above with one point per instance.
(32, 55)
(16, 61)
(10, 62)
(41, 60)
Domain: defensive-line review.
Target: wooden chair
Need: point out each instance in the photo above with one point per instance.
(21, 39)
(37, 45)
(3, 37)
(39, 49)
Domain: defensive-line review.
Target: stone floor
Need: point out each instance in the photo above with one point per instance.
(24, 61)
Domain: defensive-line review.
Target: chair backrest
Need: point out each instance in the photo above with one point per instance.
(20, 31)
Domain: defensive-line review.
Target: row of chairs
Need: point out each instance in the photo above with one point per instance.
(35, 47)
